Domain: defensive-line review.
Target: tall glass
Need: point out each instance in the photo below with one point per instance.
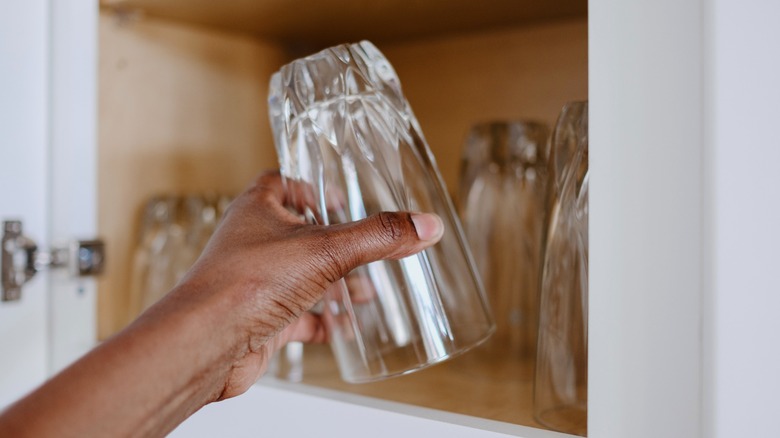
(502, 199)
(561, 382)
(349, 143)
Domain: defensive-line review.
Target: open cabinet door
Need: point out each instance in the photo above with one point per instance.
(24, 41)
(47, 184)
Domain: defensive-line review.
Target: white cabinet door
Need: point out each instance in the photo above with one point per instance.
(47, 93)
(24, 40)
(72, 173)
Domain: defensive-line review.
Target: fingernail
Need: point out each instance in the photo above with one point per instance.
(428, 226)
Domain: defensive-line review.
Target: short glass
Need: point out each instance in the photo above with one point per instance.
(561, 378)
(350, 146)
(174, 231)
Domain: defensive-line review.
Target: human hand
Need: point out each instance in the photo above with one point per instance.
(265, 268)
(211, 337)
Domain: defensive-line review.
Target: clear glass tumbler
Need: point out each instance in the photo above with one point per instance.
(561, 380)
(350, 144)
(174, 232)
(154, 258)
(502, 199)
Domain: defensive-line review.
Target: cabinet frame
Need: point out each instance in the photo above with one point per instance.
(654, 318)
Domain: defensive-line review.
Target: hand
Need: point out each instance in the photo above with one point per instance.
(211, 337)
(274, 268)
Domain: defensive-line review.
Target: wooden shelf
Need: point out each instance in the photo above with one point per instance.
(307, 23)
(473, 384)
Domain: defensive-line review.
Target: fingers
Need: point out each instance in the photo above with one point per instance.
(337, 249)
(387, 235)
(298, 195)
(308, 328)
(270, 184)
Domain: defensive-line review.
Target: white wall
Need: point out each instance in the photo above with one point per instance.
(742, 318)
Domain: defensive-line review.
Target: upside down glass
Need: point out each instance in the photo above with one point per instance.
(561, 382)
(349, 146)
(502, 198)
(174, 232)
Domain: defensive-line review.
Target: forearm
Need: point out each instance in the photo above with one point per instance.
(142, 382)
(211, 337)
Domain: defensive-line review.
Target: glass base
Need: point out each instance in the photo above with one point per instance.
(571, 419)
(353, 378)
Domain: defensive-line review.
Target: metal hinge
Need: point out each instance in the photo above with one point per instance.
(21, 259)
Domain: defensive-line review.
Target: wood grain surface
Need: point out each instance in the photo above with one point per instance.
(182, 109)
(307, 24)
(494, 388)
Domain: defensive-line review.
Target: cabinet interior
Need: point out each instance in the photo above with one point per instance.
(182, 109)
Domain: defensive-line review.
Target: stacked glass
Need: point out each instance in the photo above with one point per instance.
(174, 231)
(503, 198)
(561, 382)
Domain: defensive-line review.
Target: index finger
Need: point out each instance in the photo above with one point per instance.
(299, 195)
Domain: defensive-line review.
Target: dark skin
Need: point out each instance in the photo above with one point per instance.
(211, 337)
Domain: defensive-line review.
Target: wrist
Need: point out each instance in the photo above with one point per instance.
(228, 328)
(211, 318)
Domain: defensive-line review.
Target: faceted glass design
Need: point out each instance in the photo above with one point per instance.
(561, 383)
(349, 146)
(502, 198)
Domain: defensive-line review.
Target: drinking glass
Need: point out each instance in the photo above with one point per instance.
(155, 256)
(561, 380)
(569, 136)
(174, 231)
(287, 362)
(198, 218)
(502, 199)
(350, 146)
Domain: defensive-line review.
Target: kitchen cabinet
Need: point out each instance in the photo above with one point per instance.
(196, 82)
(183, 107)
(683, 155)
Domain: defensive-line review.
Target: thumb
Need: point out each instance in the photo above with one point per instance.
(387, 235)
